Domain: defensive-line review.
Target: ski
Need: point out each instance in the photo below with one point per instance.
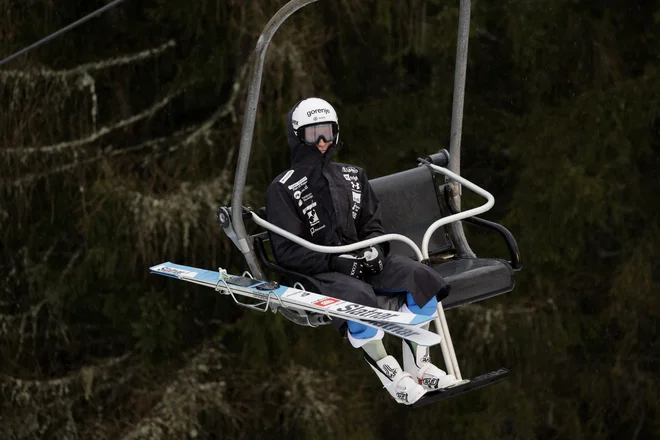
(403, 325)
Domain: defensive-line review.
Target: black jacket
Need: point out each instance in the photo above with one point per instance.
(324, 202)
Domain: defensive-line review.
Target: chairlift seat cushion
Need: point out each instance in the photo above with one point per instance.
(409, 205)
(474, 279)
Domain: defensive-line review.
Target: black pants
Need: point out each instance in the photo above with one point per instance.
(388, 289)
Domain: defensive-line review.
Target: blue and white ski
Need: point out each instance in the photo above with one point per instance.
(403, 325)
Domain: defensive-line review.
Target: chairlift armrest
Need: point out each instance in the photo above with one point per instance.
(512, 244)
(456, 216)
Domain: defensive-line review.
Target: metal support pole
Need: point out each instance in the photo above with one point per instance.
(450, 357)
(457, 118)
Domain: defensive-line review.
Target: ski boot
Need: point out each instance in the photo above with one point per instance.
(419, 365)
(401, 385)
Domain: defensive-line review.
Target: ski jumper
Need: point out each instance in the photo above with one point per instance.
(333, 204)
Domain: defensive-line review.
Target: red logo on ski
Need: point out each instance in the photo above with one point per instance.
(326, 302)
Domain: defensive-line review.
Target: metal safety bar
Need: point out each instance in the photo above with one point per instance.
(458, 216)
(336, 249)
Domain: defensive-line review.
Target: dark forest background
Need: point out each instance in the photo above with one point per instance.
(118, 143)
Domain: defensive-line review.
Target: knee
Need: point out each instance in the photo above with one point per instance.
(360, 331)
(360, 334)
(366, 297)
(427, 309)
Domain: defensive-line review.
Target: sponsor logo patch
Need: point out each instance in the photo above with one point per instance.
(313, 218)
(431, 382)
(365, 312)
(176, 272)
(390, 372)
(298, 184)
(396, 329)
(326, 302)
(355, 186)
(286, 176)
(314, 230)
(309, 207)
(349, 170)
(298, 194)
(350, 177)
(354, 210)
(318, 111)
(357, 197)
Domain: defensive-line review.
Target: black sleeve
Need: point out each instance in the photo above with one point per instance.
(281, 212)
(369, 221)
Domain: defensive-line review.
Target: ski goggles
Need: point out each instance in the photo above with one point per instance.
(312, 134)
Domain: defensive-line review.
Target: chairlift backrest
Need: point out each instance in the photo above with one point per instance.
(409, 205)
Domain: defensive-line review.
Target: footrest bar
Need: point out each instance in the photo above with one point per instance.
(473, 384)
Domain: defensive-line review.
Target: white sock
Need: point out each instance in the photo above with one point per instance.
(357, 343)
(375, 350)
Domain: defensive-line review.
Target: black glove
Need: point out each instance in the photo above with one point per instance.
(348, 264)
(374, 259)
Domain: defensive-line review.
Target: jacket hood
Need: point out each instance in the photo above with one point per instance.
(301, 152)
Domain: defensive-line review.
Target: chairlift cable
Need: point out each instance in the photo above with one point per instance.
(62, 31)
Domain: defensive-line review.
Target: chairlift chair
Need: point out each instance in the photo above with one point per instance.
(421, 203)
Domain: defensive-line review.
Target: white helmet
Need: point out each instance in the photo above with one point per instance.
(313, 111)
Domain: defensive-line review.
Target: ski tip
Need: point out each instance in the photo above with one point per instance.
(161, 269)
(158, 266)
(175, 270)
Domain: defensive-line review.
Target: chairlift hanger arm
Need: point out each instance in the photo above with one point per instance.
(251, 107)
(460, 74)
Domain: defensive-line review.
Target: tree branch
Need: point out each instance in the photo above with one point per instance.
(98, 134)
(29, 75)
(20, 392)
(108, 152)
(31, 407)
